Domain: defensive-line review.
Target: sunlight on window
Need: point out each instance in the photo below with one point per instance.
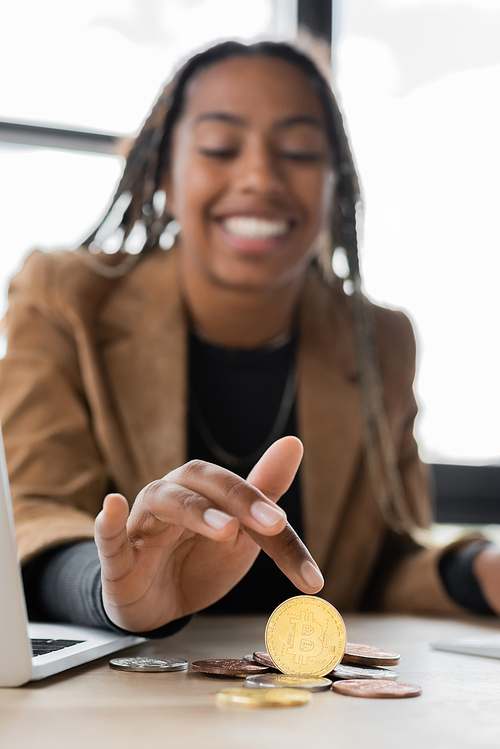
(423, 112)
(426, 142)
(99, 64)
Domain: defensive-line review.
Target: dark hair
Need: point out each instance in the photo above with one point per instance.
(150, 153)
(134, 204)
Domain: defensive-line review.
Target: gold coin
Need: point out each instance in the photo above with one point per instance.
(257, 697)
(306, 635)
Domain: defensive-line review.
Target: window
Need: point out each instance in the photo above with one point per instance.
(94, 65)
(419, 82)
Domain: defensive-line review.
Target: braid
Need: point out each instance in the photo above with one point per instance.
(138, 183)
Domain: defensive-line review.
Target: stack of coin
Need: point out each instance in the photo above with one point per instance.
(367, 655)
(355, 654)
(305, 633)
(306, 640)
(362, 674)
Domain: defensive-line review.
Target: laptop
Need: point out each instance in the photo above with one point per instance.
(30, 650)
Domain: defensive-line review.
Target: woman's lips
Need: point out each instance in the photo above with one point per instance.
(254, 234)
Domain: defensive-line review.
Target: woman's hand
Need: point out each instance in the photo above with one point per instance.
(192, 535)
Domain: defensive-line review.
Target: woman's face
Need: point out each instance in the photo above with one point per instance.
(250, 178)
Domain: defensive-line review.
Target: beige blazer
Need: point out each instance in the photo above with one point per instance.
(93, 394)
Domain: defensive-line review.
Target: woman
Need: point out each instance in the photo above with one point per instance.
(121, 368)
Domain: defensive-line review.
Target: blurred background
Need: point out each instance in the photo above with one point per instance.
(419, 84)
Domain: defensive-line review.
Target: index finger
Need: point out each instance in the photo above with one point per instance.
(292, 557)
(273, 475)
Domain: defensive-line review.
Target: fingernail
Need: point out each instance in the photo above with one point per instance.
(216, 519)
(311, 575)
(267, 515)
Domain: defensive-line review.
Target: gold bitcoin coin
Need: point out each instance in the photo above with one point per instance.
(306, 635)
(263, 697)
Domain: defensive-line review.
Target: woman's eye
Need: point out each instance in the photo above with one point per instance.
(219, 153)
(304, 156)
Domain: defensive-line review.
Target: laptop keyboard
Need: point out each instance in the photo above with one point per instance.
(42, 647)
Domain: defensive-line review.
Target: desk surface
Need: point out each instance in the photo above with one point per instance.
(97, 708)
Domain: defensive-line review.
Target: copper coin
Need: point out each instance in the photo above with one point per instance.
(264, 658)
(346, 671)
(368, 655)
(229, 667)
(377, 688)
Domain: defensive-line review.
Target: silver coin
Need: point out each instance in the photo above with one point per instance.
(249, 657)
(343, 671)
(149, 665)
(282, 681)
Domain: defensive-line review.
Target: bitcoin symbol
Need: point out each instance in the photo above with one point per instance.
(306, 642)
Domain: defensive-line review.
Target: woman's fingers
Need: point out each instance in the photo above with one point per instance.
(214, 502)
(111, 537)
(292, 557)
(202, 492)
(164, 503)
(205, 500)
(275, 471)
(210, 500)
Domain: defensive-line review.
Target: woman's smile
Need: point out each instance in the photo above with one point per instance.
(253, 233)
(254, 227)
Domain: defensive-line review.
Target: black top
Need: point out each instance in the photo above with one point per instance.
(239, 394)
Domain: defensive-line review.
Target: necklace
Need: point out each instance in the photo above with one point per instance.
(237, 461)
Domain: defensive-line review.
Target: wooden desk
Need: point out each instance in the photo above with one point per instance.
(97, 708)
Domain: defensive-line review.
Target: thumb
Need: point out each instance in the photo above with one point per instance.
(110, 533)
(275, 471)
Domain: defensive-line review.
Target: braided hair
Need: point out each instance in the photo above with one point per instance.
(136, 209)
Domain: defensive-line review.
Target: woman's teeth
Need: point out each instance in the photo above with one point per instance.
(255, 228)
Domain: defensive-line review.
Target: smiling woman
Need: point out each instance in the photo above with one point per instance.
(250, 180)
(184, 379)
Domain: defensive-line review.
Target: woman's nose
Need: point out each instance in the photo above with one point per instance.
(258, 171)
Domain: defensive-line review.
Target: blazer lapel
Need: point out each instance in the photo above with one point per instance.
(329, 412)
(145, 359)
